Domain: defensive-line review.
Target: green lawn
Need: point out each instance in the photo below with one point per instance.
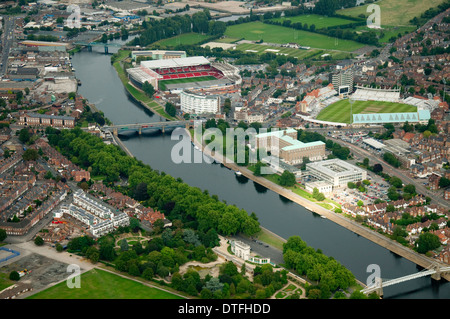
(318, 20)
(255, 31)
(340, 111)
(99, 284)
(394, 12)
(162, 84)
(4, 281)
(185, 38)
(298, 53)
(387, 31)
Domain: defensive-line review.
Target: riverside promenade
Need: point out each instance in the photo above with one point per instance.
(351, 225)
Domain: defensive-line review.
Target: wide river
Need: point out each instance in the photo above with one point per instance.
(101, 86)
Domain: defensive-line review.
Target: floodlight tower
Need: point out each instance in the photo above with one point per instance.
(351, 101)
(443, 96)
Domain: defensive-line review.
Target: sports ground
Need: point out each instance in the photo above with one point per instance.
(162, 84)
(340, 111)
(99, 284)
(255, 31)
(318, 20)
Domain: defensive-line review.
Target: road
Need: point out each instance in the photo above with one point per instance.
(8, 38)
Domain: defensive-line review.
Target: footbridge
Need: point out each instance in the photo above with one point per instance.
(148, 127)
(435, 271)
(106, 46)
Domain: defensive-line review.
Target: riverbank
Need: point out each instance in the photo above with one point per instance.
(353, 226)
(137, 95)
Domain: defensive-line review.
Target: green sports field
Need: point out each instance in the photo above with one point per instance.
(99, 284)
(318, 20)
(185, 38)
(162, 84)
(394, 12)
(298, 53)
(256, 31)
(340, 111)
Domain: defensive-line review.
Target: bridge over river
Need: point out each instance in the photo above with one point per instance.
(435, 271)
(148, 127)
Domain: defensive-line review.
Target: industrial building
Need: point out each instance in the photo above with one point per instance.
(285, 145)
(336, 172)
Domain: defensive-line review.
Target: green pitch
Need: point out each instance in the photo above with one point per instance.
(394, 12)
(340, 111)
(162, 84)
(99, 284)
(255, 31)
(318, 20)
(183, 39)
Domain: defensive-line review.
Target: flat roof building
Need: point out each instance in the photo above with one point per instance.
(285, 145)
(336, 172)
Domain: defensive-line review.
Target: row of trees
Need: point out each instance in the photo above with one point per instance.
(327, 274)
(171, 196)
(199, 22)
(337, 150)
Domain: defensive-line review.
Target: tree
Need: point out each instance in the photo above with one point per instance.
(148, 89)
(427, 242)
(170, 109)
(24, 135)
(3, 235)
(287, 179)
(14, 275)
(38, 241)
(377, 168)
(30, 155)
(325, 7)
(141, 192)
(410, 188)
(124, 245)
(148, 273)
(59, 247)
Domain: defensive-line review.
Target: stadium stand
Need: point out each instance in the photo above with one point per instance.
(370, 94)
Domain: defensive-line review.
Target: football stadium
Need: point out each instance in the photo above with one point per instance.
(190, 73)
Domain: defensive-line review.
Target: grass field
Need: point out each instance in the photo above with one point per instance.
(186, 38)
(387, 31)
(318, 20)
(4, 281)
(395, 12)
(99, 284)
(162, 84)
(256, 31)
(340, 111)
(298, 53)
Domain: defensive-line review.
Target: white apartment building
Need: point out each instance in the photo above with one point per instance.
(193, 103)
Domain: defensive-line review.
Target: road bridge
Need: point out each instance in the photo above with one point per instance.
(142, 127)
(435, 271)
(106, 46)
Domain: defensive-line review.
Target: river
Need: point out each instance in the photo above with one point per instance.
(101, 86)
